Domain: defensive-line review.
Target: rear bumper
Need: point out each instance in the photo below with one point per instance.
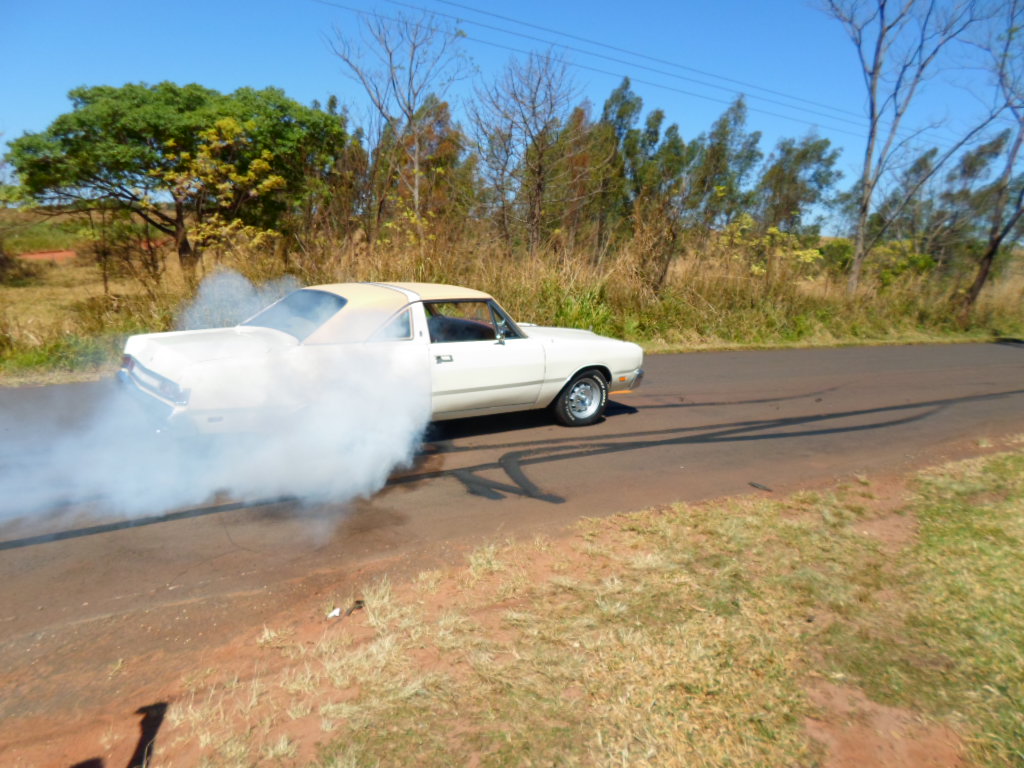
(162, 415)
(186, 421)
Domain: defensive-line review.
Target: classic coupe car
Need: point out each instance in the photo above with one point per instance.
(476, 359)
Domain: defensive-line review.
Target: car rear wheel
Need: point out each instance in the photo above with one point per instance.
(582, 401)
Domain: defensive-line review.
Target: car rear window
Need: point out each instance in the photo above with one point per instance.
(299, 313)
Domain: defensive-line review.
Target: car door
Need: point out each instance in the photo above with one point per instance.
(479, 360)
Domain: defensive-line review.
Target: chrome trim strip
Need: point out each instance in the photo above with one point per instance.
(486, 389)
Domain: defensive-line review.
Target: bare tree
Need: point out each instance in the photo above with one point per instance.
(497, 153)
(898, 45)
(1004, 198)
(404, 62)
(518, 119)
(6, 262)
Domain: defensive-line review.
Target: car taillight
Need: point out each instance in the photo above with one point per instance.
(173, 392)
(127, 362)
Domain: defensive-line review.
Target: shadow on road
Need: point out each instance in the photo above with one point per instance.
(518, 456)
(521, 455)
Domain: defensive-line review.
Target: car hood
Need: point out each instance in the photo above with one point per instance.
(171, 353)
(567, 334)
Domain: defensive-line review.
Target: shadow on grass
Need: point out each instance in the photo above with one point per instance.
(149, 726)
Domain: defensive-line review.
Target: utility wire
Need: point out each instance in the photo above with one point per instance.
(638, 55)
(941, 141)
(597, 70)
(673, 89)
(575, 65)
(858, 122)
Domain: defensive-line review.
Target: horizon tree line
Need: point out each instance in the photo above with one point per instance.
(532, 168)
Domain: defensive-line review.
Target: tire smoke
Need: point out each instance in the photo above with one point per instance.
(339, 420)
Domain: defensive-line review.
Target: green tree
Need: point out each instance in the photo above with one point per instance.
(619, 116)
(723, 162)
(796, 177)
(911, 209)
(648, 176)
(333, 190)
(132, 146)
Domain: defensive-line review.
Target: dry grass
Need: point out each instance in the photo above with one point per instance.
(712, 298)
(677, 636)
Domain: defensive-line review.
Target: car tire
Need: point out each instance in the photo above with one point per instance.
(582, 401)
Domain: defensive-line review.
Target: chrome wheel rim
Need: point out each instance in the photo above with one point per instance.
(584, 399)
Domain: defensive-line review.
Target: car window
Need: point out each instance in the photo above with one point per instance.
(399, 328)
(299, 313)
(503, 323)
(451, 321)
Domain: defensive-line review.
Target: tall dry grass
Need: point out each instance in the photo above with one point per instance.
(715, 294)
(718, 294)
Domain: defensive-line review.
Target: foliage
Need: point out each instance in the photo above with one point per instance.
(897, 258)
(837, 254)
(797, 177)
(606, 219)
(724, 161)
(134, 148)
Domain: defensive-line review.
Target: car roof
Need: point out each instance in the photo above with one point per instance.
(440, 291)
(369, 305)
(378, 294)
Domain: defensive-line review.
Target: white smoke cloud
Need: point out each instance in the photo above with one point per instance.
(226, 298)
(350, 415)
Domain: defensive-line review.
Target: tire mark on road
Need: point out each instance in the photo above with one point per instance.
(513, 464)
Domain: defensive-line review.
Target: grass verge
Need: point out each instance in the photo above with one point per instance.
(706, 301)
(684, 635)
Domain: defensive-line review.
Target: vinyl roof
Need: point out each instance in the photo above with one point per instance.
(378, 294)
(369, 305)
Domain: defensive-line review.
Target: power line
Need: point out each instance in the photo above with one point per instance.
(575, 65)
(858, 122)
(638, 55)
(673, 89)
(941, 141)
(597, 70)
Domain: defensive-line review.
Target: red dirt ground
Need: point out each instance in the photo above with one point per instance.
(56, 257)
(856, 731)
(852, 730)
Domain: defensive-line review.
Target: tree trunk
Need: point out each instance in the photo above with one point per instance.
(984, 268)
(868, 181)
(859, 257)
(1003, 223)
(187, 256)
(985, 263)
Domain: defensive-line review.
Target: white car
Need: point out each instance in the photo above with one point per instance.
(456, 343)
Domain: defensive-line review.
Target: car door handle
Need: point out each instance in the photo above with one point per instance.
(443, 358)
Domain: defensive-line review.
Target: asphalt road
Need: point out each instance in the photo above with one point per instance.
(702, 425)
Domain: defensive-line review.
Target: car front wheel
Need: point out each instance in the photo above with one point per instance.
(583, 400)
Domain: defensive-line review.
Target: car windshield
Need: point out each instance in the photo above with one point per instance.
(299, 313)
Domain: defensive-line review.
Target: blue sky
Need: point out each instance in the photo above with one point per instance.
(743, 46)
